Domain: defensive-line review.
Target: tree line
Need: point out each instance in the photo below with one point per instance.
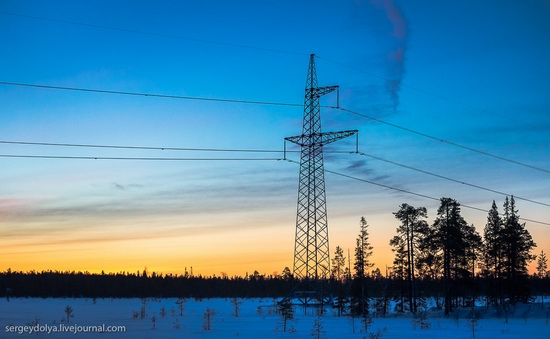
(447, 260)
(136, 285)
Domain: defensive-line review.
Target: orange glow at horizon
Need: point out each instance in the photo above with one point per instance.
(267, 250)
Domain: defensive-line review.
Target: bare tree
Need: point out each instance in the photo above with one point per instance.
(208, 316)
(286, 311)
(236, 303)
(69, 313)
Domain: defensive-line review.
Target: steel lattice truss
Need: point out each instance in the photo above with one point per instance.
(311, 248)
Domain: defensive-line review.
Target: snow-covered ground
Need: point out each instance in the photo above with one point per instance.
(257, 319)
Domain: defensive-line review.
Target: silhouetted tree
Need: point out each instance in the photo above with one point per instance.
(451, 238)
(409, 232)
(338, 264)
(363, 252)
(286, 310)
(236, 303)
(517, 253)
(208, 316)
(542, 265)
(493, 256)
(399, 269)
(69, 313)
(287, 274)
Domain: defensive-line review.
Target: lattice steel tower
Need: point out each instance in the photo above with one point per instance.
(311, 247)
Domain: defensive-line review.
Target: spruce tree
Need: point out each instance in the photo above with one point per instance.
(399, 269)
(363, 252)
(410, 231)
(493, 255)
(454, 241)
(518, 245)
(542, 265)
(338, 264)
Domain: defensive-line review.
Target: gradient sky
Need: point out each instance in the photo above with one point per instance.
(472, 72)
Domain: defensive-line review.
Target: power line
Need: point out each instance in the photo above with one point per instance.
(450, 179)
(141, 147)
(244, 159)
(133, 158)
(412, 193)
(429, 93)
(446, 141)
(127, 30)
(166, 96)
(280, 104)
(29, 143)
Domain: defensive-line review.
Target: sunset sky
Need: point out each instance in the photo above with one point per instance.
(473, 73)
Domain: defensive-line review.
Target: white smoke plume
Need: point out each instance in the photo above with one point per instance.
(397, 34)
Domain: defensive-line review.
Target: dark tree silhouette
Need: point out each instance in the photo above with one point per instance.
(409, 233)
(363, 252)
(451, 238)
(518, 245)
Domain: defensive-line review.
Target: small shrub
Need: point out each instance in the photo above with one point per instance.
(69, 313)
(318, 331)
(473, 319)
(207, 316)
(376, 335)
(421, 319)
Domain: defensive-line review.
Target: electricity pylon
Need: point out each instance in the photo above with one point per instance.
(311, 247)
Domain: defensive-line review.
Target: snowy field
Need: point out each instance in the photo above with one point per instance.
(164, 318)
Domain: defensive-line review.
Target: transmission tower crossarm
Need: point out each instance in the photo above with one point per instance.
(320, 91)
(320, 139)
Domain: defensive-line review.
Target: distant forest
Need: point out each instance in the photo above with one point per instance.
(447, 260)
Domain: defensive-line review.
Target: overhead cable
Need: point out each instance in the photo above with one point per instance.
(28, 143)
(166, 96)
(171, 36)
(451, 143)
(277, 50)
(133, 158)
(449, 178)
(422, 134)
(241, 150)
(412, 193)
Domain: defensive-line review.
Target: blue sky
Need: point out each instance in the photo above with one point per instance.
(470, 72)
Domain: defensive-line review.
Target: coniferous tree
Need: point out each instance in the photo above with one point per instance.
(452, 239)
(363, 252)
(287, 274)
(338, 274)
(430, 264)
(338, 264)
(473, 253)
(517, 254)
(286, 310)
(543, 275)
(493, 256)
(410, 231)
(542, 265)
(399, 270)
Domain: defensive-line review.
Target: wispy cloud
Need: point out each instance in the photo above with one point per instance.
(397, 36)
